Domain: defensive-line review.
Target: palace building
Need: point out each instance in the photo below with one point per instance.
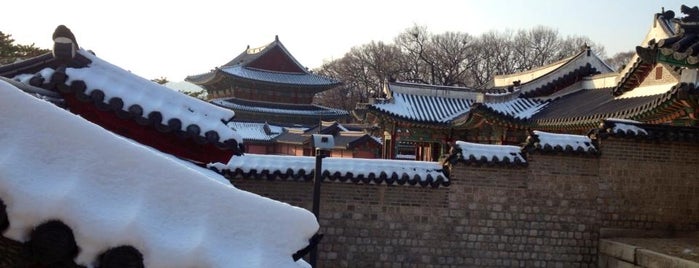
(267, 84)
(658, 86)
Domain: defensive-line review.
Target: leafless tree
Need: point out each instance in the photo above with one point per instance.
(619, 60)
(450, 58)
(362, 70)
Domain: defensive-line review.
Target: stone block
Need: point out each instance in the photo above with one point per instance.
(618, 250)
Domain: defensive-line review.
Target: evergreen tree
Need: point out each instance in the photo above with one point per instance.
(11, 52)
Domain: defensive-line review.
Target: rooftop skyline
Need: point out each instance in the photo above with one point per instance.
(165, 39)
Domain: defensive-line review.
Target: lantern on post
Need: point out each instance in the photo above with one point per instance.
(322, 144)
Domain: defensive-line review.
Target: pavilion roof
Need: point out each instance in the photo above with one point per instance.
(448, 106)
(278, 108)
(551, 78)
(271, 64)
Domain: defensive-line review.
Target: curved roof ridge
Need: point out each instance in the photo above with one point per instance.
(250, 55)
(553, 66)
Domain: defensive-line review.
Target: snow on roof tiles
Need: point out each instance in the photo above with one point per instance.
(553, 142)
(442, 105)
(306, 79)
(115, 82)
(625, 126)
(256, 131)
(622, 128)
(336, 169)
(431, 109)
(314, 110)
(476, 153)
(111, 192)
(519, 108)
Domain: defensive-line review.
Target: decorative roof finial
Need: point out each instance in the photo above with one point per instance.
(276, 38)
(64, 44)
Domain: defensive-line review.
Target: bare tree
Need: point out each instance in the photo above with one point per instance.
(413, 42)
(619, 60)
(450, 58)
(363, 70)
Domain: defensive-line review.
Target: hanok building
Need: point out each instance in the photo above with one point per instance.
(133, 107)
(267, 84)
(569, 96)
(349, 141)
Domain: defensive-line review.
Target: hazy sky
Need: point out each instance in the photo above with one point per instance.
(179, 38)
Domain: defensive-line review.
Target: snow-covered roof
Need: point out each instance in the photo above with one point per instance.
(438, 104)
(93, 86)
(356, 170)
(111, 192)
(306, 79)
(547, 79)
(423, 108)
(115, 82)
(625, 126)
(519, 108)
(554, 142)
(476, 153)
(279, 108)
(622, 128)
(251, 131)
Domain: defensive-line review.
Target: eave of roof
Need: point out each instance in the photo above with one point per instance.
(278, 108)
(626, 129)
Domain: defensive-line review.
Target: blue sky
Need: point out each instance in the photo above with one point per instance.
(179, 38)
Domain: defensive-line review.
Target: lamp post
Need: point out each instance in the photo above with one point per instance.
(322, 144)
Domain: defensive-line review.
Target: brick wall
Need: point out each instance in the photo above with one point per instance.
(649, 185)
(548, 214)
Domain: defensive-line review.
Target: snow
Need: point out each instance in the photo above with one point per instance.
(626, 126)
(356, 166)
(132, 89)
(425, 108)
(278, 77)
(490, 151)
(443, 105)
(255, 131)
(643, 91)
(565, 140)
(519, 108)
(112, 192)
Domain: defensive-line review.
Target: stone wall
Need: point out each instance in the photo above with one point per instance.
(547, 214)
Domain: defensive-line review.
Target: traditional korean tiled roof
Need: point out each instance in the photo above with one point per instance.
(640, 65)
(343, 137)
(560, 143)
(584, 109)
(451, 105)
(88, 81)
(487, 154)
(251, 131)
(367, 171)
(681, 49)
(306, 79)
(551, 78)
(279, 108)
(70, 176)
(633, 77)
(629, 129)
(423, 109)
(292, 137)
(271, 64)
